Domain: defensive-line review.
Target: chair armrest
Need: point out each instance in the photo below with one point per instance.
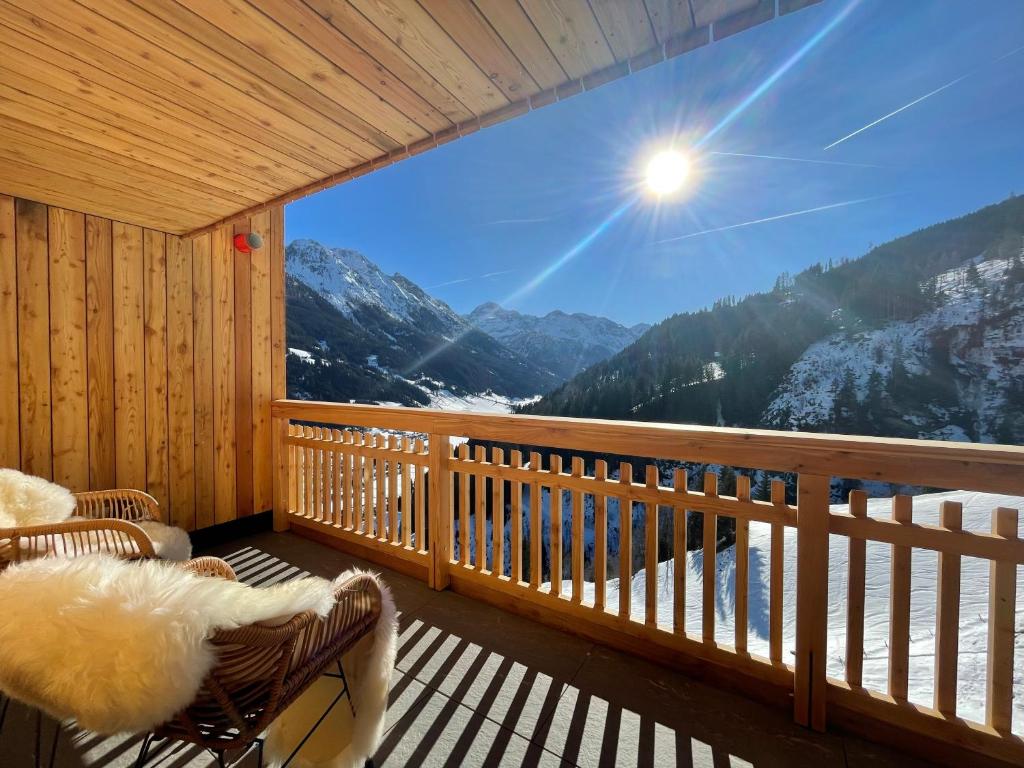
(120, 504)
(73, 538)
(210, 566)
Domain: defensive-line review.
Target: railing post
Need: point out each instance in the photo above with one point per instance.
(811, 601)
(440, 510)
(282, 473)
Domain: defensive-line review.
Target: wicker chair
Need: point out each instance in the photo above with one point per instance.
(263, 668)
(105, 521)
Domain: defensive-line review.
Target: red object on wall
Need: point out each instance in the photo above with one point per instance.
(248, 242)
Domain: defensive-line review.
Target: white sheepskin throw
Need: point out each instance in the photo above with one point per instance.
(169, 542)
(343, 741)
(122, 646)
(28, 500)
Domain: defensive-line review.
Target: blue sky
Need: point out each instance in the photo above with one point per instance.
(492, 217)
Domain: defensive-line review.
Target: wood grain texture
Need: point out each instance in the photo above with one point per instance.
(155, 319)
(129, 357)
(34, 338)
(10, 425)
(224, 412)
(99, 302)
(241, 264)
(180, 384)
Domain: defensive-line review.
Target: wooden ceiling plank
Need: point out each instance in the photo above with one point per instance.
(174, 55)
(307, 25)
(175, 92)
(20, 132)
(475, 36)
(347, 20)
(626, 27)
(510, 21)
(77, 165)
(271, 41)
(32, 183)
(670, 18)
(202, 155)
(413, 30)
(572, 33)
(707, 12)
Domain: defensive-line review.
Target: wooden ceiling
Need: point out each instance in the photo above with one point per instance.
(180, 114)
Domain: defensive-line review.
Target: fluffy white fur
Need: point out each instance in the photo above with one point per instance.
(342, 741)
(169, 542)
(27, 500)
(121, 646)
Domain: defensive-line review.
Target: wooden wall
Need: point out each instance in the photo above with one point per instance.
(134, 358)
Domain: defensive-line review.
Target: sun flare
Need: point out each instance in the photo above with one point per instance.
(667, 172)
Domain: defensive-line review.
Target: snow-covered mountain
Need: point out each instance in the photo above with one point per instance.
(357, 334)
(952, 373)
(563, 343)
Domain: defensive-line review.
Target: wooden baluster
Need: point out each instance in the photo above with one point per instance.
(679, 555)
(349, 481)
(899, 605)
(600, 536)
(536, 522)
(294, 468)
(370, 441)
(516, 488)
(407, 501)
(307, 434)
(1002, 603)
(778, 558)
(811, 601)
(318, 474)
(337, 476)
(947, 615)
(421, 498)
(497, 516)
(626, 541)
(394, 483)
(358, 483)
(710, 542)
(380, 487)
(576, 545)
(742, 550)
(464, 481)
(556, 525)
(480, 560)
(855, 581)
(440, 511)
(651, 552)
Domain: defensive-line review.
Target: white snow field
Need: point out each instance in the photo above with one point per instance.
(974, 580)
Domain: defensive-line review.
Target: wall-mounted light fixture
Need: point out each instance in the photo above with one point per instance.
(247, 242)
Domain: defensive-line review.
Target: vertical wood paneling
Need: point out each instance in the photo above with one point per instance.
(241, 263)
(222, 276)
(33, 338)
(180, 377)
(202, 340)
(262, 374)
(155, 311)
(143, 360)
(129, 358)
(68, 384)
(99, 323)
(10, 432)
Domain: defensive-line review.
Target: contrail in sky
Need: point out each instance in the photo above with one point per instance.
(919, 99)
(771, 218)
(797, 159)
(469, 279)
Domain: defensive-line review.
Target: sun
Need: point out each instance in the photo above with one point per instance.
(667, 172)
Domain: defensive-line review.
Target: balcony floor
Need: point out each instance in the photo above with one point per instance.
(475, 686)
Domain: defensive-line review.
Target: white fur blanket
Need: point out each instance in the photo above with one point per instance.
(343, 741)
(122, 646)
(27, 500)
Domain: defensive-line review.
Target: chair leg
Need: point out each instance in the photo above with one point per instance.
(144, 751)
(3, 710)
(56, 739)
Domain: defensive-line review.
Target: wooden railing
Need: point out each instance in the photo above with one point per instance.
(471, 518)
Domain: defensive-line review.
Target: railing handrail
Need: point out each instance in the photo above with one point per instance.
(981, 467)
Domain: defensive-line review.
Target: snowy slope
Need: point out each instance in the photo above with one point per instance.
(564, 343)
(980, 348)
(350, 281)
(977, 516)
